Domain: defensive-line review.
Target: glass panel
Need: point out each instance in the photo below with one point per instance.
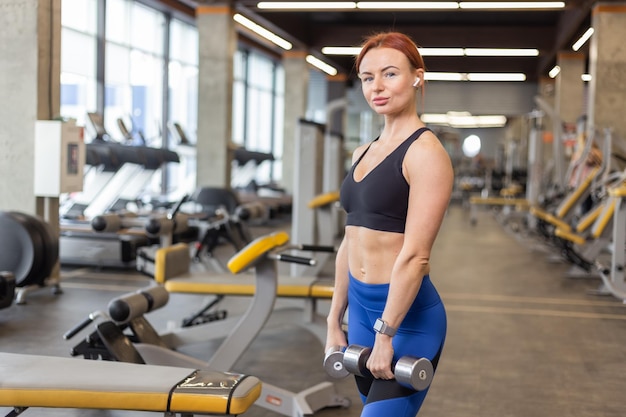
(118, 21)
(147, 29)
(79, 15)
(78, 80)
(183, 42)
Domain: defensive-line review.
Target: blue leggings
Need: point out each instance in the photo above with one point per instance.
(421, 334)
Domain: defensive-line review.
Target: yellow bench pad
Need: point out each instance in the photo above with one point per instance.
(499, 201)
(324, 199)
(46, 381)
(550, 218)
(302, 287)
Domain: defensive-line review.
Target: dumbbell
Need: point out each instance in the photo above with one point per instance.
(409, 371)
(333, 362)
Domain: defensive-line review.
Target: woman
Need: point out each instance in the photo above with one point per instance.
(395, 195)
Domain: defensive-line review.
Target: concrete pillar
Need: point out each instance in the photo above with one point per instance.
(570, 90)
(30, 44)
(217, 43)
(607, 63)
(337, 91)
(296, 92)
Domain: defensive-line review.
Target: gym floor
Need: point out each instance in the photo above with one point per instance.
(523, 340)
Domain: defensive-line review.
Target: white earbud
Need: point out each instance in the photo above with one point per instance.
(417, 80)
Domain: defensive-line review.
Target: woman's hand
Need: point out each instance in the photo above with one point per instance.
(335, 337)
(379, 362)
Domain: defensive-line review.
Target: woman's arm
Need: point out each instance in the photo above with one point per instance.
(430, 175)
(339, 303)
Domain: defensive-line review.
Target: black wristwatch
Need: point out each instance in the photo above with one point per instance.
(380, 326)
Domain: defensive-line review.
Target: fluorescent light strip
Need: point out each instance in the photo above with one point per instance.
(260, 30)
(464, 120)
(511, 5)
(318, 63)
(488, 76)
(554, 71)
(500, 52)
(341, 50)
(441, 51)
(444, 76)
(306, 5)
(349, 50)
(407, 5)
(586, 77)
(584, 38)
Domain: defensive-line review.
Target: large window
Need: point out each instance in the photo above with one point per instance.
(258, 97)
(139, 52)
(134, 71)
(78, 58)
(183, 77)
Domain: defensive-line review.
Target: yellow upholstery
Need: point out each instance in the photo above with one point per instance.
(500, 201)
(171, 269)
(54, 382)
(301, 287)
(618, 191)
(603, 220)
(171, 261)
(324, 199)
(589, 218)
(255, 249)
(547, 217)
(569, 202)
(572, 237)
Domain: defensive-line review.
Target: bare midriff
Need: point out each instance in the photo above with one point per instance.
(372, 253)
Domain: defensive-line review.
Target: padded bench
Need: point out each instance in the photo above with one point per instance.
(172, 270)
(54, 382)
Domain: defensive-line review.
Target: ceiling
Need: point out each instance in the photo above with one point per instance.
(549, 31)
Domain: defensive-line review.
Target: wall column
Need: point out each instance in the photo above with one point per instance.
(217, 43)
(570, 87)
(607, 60)
(30, 44)
(296, 95)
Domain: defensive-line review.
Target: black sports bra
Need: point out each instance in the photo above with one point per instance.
(380, 200)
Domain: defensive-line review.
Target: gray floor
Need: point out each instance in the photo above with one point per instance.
(523, 340)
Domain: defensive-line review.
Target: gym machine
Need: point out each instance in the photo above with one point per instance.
(126, 335)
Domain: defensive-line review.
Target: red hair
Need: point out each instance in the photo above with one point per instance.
(393, 40)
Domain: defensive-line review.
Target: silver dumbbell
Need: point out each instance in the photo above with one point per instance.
(411, 372)
(333, 362)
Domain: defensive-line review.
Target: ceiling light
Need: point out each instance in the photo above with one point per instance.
(444, 76)
(354, 50)
(500, 52)
(260, 30)
(416, 5)
(441, 51)
(584, 38)
(489, 76)
(511, 4)
(341, 50)
(586, 77)
(306, 5)
(554, 71)
(318, 63)
(464, 120)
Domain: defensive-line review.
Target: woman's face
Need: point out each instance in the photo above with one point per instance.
(387, 80)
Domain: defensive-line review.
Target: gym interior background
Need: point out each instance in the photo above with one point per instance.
(137, 130)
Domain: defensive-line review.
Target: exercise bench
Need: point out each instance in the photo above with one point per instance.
(28, 381)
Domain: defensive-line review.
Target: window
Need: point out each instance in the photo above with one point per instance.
(78, 58)
(258, 103)
(134, 54)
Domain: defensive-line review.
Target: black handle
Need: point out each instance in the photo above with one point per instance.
(72, 332)
(318, 248)
(296, 259)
